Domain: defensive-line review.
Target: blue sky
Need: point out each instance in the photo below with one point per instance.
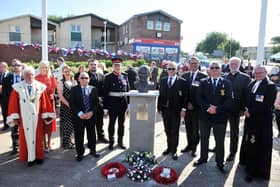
(237, 18)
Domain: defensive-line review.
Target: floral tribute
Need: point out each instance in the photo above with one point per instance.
(141, 164)
(165, 175)
(113, 170)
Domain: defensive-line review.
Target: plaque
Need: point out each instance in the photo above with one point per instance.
(142, 112)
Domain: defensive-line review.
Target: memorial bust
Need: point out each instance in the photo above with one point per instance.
(143, 84)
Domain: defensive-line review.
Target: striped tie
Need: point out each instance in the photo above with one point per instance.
(86, 100)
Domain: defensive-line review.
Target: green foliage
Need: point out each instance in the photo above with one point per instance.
(275, 49)
(216, 40)
(276, 44)
(275, 40)
(55, 18)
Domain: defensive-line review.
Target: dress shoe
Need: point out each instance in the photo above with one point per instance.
(95, 154)
(39, 161)
(193, 154)
(187, 149)
(166, 152)
(79, 158)
(248, 178)
(230, 157)
(14, 151)
(212, 150)
(111, 147)
(199, 162)
(221, 168)
(174, 156)
(121, 146)
(103, 140)
(30, 164)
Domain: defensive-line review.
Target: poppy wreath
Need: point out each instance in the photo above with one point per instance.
(165, 180)
(139, 173)
(115, 169)
(140, 158)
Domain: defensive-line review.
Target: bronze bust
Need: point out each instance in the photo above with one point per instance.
(143, 84)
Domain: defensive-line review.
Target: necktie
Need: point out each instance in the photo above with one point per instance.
(255, 87)
(170, 82)
(214, 83)
(29, 89)
(17, 78)
(86, 100)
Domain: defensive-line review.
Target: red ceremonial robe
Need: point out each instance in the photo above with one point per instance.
(30, 110)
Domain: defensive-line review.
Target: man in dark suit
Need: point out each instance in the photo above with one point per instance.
(115, 101)
(172, 103)
(240, 82)
(256, 147)
(132, 76)
(3, 74)
(84, 115)
(225, 66)
(193, 78)
(8, 81)
(97, 80)
(214, 97)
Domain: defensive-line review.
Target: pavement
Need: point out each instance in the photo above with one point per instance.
(61, 169)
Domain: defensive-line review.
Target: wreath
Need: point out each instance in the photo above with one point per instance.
(141, 164)
(141, 158)
(165, 175)
(113, 170)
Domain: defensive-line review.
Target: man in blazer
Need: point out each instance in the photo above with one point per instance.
(154, 73)
(193, 78)
(172, 102)
(240, 82)
(214, 97)
(84, 114)
(7, 82)
(97, 80)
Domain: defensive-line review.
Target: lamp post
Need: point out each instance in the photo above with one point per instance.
(105, 33)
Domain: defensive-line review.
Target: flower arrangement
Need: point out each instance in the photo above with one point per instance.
(113, 170)
(141, 165)
(165, 175)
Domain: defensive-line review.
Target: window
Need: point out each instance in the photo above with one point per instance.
(76, 34)
(158, 25)
(75, 28)
(166, 26)
(126, 28)
(150, 25)
(14, 34)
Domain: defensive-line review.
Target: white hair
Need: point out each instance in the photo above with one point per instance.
(28, 69)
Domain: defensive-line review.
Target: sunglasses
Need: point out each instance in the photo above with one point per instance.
(16, 65)
(84, 78)
(215, 67)
(171, 69)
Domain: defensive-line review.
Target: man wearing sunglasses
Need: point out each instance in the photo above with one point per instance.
(214, 97)
(11, 78)
(84, 103)
(172, 103)
(193, 78)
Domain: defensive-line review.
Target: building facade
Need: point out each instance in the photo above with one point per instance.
(88, 31)
(26, 28)
(154, 35)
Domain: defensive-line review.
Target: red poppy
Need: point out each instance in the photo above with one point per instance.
(164, 180)
(113, 169)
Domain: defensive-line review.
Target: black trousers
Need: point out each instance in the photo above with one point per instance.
(277, 117)
(4, 110)
(99, 123)
(171, 122)
(79, 132)
(234, 133)
(112, 120)
(219, 131)
(192, 128)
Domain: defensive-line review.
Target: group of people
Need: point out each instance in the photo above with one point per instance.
(205, 101)
(210, 102)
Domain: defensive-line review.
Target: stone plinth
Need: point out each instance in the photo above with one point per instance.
(142, 120)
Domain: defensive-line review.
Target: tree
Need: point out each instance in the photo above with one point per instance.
(218, 41)
(276, 44)
(55, 18)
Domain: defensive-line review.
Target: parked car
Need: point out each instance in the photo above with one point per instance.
(275, 57)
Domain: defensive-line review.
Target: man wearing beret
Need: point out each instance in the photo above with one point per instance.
(115, 101)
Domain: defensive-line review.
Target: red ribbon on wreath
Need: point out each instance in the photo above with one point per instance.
(164, 180)
(114, 169)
